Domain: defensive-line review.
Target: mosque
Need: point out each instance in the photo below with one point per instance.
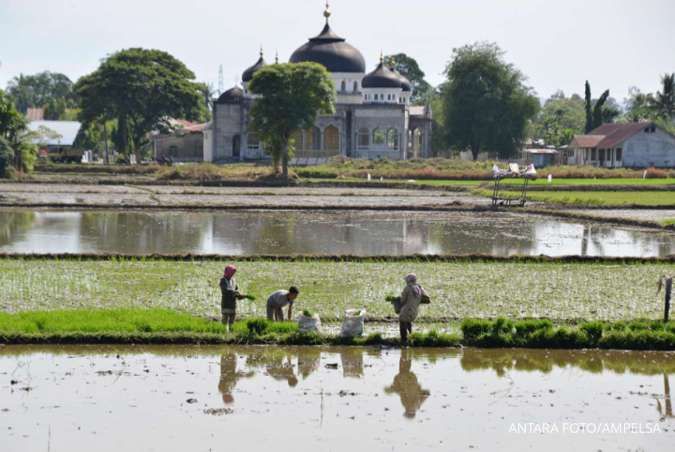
(373, 117)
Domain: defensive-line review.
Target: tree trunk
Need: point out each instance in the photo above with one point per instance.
(284, 160)
(475, 150)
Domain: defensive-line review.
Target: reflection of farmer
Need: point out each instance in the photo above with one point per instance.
(282, 369)
(411, 297)
(407, 387)
(278, 300)
(229, 376)
(308, 361)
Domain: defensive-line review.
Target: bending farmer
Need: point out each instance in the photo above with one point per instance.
(278, 300)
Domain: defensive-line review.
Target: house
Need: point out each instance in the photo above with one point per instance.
(633, 145)
(541, 157)
(185, 144)
(56, 139)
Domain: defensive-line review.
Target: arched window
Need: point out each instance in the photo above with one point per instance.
(253, 141)
(343, 86)
(363, 138)
(331, 138)
(356, 86)
(378, 137)
(297, 140)
(392, 139)
(312, 139)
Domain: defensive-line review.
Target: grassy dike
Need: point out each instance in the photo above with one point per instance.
(162, 326)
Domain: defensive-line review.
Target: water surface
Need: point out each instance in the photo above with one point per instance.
(318, 232)
(309, 399)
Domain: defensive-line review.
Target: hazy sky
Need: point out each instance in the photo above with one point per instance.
(558, 44)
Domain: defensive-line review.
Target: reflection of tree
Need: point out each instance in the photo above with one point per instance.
(407, 387)
(138, 232)
(502, 361)
(665, 410)
(229, 376)
(13, 222)
(352, 362)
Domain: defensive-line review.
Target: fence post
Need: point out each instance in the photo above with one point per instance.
(669, 292)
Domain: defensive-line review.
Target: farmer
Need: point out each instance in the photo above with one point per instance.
(230, 291)
(410, 302)
(278, 300)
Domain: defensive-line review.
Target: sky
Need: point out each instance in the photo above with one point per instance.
(557, 44)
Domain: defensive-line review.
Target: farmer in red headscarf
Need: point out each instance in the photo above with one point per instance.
(230, 291)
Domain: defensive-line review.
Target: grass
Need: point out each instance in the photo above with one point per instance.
(344, 168)
(596, 198)
(459, 289)
(161, 325)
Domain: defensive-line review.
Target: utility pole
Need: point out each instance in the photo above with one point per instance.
(106, 158)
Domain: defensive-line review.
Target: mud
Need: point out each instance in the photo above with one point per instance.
(308, 399)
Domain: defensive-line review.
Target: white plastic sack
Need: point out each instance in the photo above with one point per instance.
(353, 323)
(309, 324)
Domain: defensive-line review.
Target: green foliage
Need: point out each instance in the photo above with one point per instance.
(559, 120)
(292, 95)
(487, 104)
(663, 103)
(599, 111)
(434, 339)
(410, 69)
(638, 106)
(142, 89)
(49, 90)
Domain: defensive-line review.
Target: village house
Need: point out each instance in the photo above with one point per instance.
(632, 145)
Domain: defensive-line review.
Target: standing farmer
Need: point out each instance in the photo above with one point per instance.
(411, 297)
(278, 300)
(230, 292)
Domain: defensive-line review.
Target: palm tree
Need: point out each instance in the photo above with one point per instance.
(663, 103)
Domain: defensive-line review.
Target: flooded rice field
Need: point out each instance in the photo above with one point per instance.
(307, 399)
(321, 233)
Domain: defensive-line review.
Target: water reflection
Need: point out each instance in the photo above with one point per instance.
(229, 376)
(407, 387)
(307, 232)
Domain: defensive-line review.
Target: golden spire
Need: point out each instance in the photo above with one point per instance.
(261, 51)
(381, 57)
(276, 57)
(326, 12)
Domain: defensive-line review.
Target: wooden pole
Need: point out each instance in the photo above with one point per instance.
(669, 292)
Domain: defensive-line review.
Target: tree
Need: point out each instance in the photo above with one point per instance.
(16, 142)
(409, 68)
(638, 105)
(604, 109)
(143, 89)
(663, 103)
(37, 91)
(560, 119)
(292, 95)
(487, 105)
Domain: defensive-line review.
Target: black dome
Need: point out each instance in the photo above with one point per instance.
(231, 96)
(331, 51)
(247, 76)
(382, 77)
(405, 83)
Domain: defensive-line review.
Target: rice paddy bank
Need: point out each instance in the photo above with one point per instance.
(559, 289)
(161, 326)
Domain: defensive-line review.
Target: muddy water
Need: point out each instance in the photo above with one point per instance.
(316, 232)
(309, 399)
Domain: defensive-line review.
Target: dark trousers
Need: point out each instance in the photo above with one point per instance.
(405, 329)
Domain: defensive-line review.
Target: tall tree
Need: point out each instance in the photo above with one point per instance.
(143, 89)
(410, 69)
(38, 90)
(604, 109)
(487, 104)
(560, 119)
(663, 102)
(292, 95)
